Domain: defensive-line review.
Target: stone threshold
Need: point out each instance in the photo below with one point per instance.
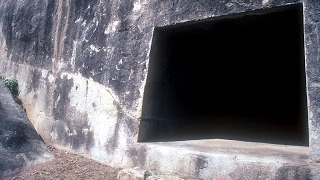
(218, 158)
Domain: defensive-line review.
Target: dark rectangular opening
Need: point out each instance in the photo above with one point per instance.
(238, 77)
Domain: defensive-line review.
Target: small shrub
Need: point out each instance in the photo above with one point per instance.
(147, 174)
(12, 85)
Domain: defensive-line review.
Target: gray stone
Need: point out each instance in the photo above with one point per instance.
(86, 79)
(140, 174)
(131, 174)
(20, 144)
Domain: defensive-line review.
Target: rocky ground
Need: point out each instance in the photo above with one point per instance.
(67, 166)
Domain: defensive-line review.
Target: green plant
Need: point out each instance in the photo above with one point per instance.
(147, 174)
(12, 85)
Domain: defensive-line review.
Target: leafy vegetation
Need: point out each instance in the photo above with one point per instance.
(12, 85)
(147, 174)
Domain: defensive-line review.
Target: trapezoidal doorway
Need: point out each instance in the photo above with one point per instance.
(239, 77)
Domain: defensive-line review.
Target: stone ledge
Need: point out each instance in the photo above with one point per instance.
(140, 174)
(210, 159)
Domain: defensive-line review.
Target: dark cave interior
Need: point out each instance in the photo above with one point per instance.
(239, 77)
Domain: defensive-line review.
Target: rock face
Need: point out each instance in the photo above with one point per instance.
(82, 66)
(20, 144)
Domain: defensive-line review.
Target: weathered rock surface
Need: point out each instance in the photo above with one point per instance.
(82, 67)
(140, 174)
(20, 144)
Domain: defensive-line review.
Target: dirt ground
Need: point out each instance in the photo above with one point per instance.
(67, 166)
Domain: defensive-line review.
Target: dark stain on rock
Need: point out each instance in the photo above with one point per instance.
(131, 123)
(112, 142)
(131, 128)
(90, 63)
(122, 70)
(83, 135)
(313, 11)
(125, 75)
(293, 173)
(79, 129)
(138, 155)
(89, 141)
(34, 80)
(27, 30)
(125, 8)
(82, 8)
(74, 131)
(47, 43)
(115, 81)
(61, 97)
(251, 171)
(201, 163)
(8, 24)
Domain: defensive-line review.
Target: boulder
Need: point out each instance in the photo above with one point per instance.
(20, 144)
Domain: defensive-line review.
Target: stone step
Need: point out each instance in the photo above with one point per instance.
(228, 159)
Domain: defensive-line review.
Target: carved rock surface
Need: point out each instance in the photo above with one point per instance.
(82, 68)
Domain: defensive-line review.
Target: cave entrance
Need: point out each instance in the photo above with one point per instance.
(239, 77)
